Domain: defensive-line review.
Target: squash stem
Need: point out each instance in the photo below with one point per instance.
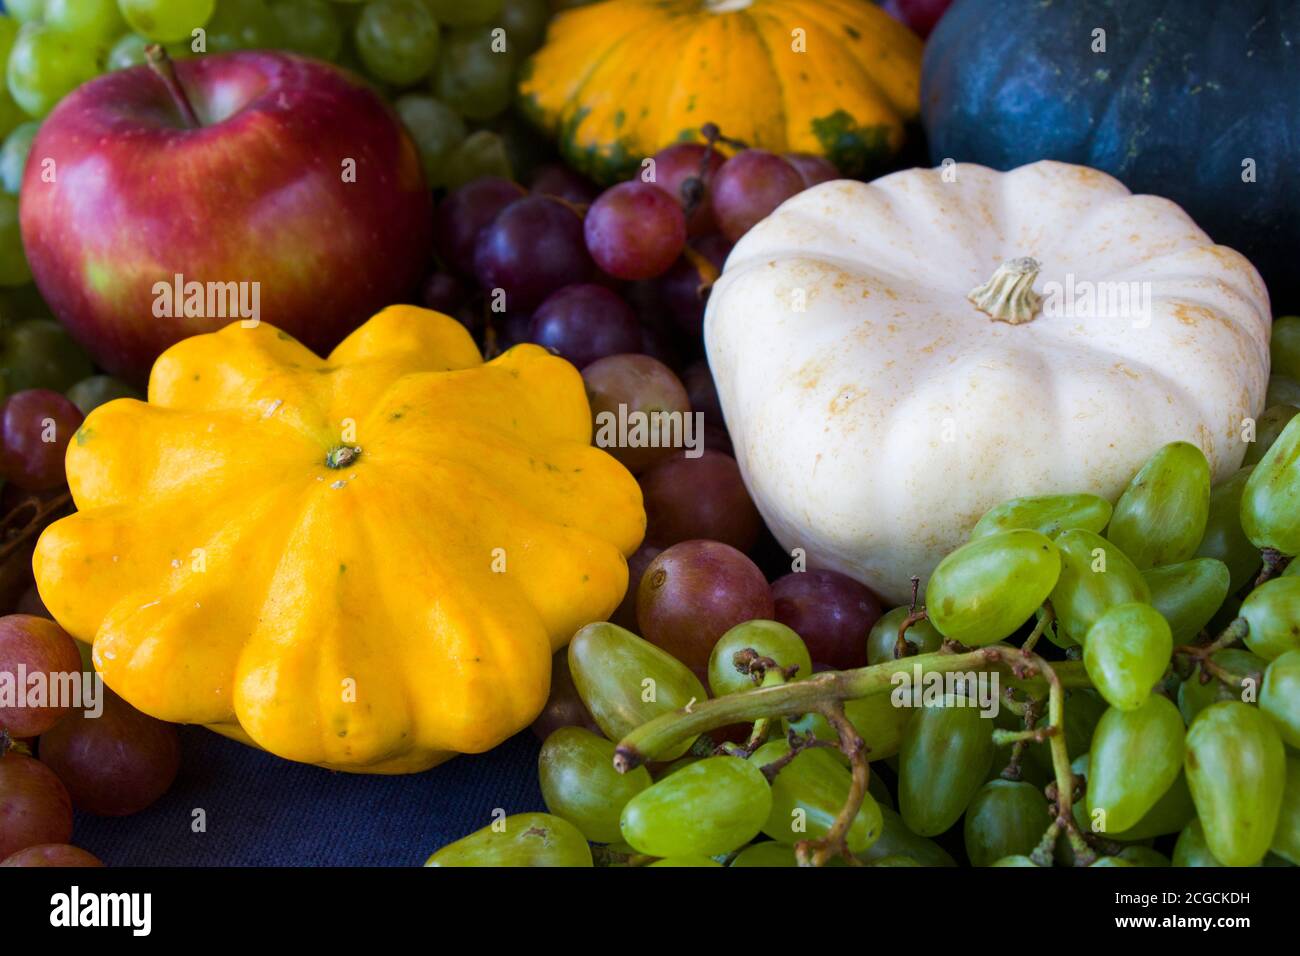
(1009, 295)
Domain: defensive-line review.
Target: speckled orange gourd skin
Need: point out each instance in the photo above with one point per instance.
(378, 617)
(618, 81)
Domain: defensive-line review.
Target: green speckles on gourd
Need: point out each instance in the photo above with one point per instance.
(855, 149)
(84, 435)
(619, 118)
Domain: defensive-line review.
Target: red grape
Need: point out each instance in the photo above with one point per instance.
(41, 647)
(115, 764)
(813, 170)
(465, 213)
(52, 854)
(635, 231)
(920, 15)
(684, 289)
(585, 322)
(35, 428)
(749, 186)
(694, 593)
(34, 805)
(702, 497)
(625, 614)
(676, 164)
(564, 708)
(533, 247)
(558, 180)
(702, 391)
(641, 385)
(831, 612)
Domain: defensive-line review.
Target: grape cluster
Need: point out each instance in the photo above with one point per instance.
(1148, 656)
(109, 760)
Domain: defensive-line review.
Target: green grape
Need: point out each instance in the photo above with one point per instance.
(46, 65)
(1286, 838)
(397, 40)
(1127, 652)
(1270, 502)
(1279, 696)
(1188, 594)
(8, 33)
(13, 260)
(1194, 697)
(1273, 612)
(766, 854)
(13, 155)
(1160, 517)
(625, 681)
(1083, 711)
(459, 13)
(1095, 576)
(91, 21)
(482, 153)
(1269, 426)
(243, 25)
(1110, 861)
(1171, 812)
(1017, 860)
(1236, 768)
(309, 27)
(127, 52)
(884, 635)
(807, 795)
(24, 11)
(1136, 756)
(945, 758)
(879, 790)
(896, 861)
(1191, 848)
(1284, 347)
(525, 24)
(697, 861)
(1224, 539)
(1005, 818)
(875, 717)
(39, 353)
(987, 588)
(525, 839)
(1046, 514)
(90, 393)
(711, 807)
(897, 840)
(434, 126)
(1282, 390)
(1143, 856)
(166, 21)
(11, 114)
(769, 639)
(475, 75)
(579, 782)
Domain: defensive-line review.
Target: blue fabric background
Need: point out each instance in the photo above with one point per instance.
(264, 811)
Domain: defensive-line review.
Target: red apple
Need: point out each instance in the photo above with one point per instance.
(286, 176)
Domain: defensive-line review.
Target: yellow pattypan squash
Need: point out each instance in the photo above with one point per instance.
(363, 562)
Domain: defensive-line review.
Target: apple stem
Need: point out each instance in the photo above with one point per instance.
(165, 69)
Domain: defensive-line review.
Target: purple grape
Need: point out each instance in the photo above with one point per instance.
(562, 182)
(465, 213)
(831, 612)
(533, 247)
(585, 322)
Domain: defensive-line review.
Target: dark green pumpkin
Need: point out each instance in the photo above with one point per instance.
(1184, 94)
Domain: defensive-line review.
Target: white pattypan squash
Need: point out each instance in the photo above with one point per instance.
(889, 372)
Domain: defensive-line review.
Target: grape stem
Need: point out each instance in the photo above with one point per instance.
(835, 842)
(38, 512)
(165, 70)
(1193, 654)
(1274, 563)
(787, 700)
(902, 646)
(1040, 628)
